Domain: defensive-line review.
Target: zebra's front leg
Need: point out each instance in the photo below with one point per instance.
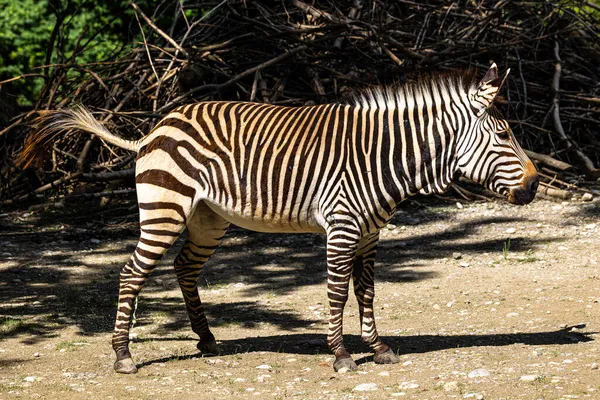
(341, 250)
(363, 275)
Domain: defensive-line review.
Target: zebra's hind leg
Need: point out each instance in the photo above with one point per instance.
(161, 224)
(363, 275)
(205, 230)
(342, 244)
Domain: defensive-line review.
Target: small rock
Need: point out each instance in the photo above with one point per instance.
(408, 385)
(239, 380)
(384, 373)
(479, 373)
(264, 366)
(29, 378)
(36, 354)
(391, 226)
(563, 248)
(587, 197)
(449, 304)
(567, 361)
(594, 366)
(459, 205)
(436, 306)
(464, 264)
(512, 314)
(343, 370)
(407, 363)
(511, 230)
(590, 227)
(365, 387)
(239, 284)
(529, 378)
(262, 378)
(451, 386)
(476, 396)
(457, 256)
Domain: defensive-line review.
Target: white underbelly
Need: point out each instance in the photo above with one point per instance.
(273, 225)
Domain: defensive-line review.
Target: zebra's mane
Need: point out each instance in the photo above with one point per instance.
(388, 96)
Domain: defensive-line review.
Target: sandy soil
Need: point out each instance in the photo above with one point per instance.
(470, 313)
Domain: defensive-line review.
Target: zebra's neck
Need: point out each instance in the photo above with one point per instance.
(422, 123)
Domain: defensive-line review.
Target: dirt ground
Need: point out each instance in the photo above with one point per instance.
(471, 313)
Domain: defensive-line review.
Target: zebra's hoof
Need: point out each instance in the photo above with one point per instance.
(209, 348)
(126, 366)
(386, 357)
(344, 364)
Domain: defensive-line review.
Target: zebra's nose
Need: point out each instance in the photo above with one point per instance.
(532, 185)
(525, 193)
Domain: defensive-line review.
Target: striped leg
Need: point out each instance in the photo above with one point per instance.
(342, 243)
(364, 288)
(205, 230)
(161, 224)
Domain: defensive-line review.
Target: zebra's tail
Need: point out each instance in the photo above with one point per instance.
(50, 124)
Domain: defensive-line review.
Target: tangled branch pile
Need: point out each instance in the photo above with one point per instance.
(294, 53)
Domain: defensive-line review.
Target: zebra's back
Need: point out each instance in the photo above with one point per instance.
(263, 167)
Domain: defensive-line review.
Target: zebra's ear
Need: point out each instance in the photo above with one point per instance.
(488, 88)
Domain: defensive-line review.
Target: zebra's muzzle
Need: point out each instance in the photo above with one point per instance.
(525, 193)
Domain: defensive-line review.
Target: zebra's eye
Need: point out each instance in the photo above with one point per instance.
(504, 135)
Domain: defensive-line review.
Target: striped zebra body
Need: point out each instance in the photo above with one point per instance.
(335, 169)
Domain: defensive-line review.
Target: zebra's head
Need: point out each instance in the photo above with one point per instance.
(489, 153)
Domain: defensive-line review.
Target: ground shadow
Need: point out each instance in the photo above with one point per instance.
(45, 285)
(316, 343)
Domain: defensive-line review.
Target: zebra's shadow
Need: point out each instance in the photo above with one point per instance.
(311, 344)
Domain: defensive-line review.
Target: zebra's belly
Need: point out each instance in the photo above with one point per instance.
(272, 224)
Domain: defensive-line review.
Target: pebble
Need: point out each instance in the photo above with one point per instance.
(391, 226)
(457, 256)
(451, 386)
(459, 205)
(408, 385)
(563, 248)
(594, 366)
(343, 370)
(529, 378)
(587, 197)
(436, 306)
(264, 366)
(261, 378)
(590, 227)
(512, 314)
(511, 230)
(476, 396)
(464, 264)
(384, 373)
(29, 378)
(36, 354)
(365, 387)
(479, 373)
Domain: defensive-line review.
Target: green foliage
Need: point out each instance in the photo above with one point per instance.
(88, 31)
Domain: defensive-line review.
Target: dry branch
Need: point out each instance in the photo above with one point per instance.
(303, 52)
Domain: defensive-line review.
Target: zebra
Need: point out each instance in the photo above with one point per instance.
(336, 169)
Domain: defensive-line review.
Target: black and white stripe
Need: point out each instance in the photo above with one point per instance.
(336, 169)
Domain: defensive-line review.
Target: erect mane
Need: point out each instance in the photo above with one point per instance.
(387, 96)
